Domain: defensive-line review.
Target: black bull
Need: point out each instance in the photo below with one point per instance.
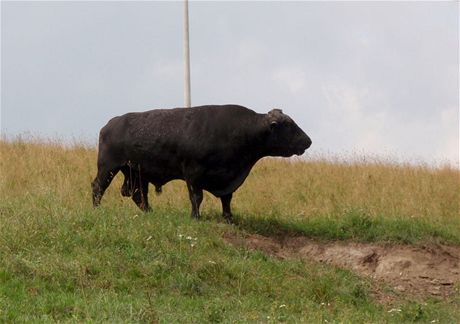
(212, 148)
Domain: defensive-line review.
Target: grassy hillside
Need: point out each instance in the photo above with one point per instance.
(367, 201)
(60, 260)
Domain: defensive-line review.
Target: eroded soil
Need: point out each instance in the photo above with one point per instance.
(427, 270)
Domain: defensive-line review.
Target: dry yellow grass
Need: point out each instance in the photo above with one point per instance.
(321, 187)
(287, 188)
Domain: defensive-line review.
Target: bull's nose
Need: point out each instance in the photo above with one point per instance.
(308, 143)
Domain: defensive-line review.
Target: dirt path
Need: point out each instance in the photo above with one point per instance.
(433, 270)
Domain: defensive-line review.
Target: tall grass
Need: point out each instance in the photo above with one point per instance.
(318, 193)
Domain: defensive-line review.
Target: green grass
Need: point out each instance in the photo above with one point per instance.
(355, 225)
(63, 261)
(115, 264)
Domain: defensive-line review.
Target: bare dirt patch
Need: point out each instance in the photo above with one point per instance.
(422, 270)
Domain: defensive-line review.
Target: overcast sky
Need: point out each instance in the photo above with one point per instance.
(366, 77)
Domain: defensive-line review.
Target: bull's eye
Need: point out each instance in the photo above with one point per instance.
(273, 124)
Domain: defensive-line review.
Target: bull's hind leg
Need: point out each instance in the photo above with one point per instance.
(136, 187)
(196, 197)
(103, 179)
(127, 188)
(140, 194)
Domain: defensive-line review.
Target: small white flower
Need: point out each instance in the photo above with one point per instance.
(268, 317)
(212, 262)
(282, 305)
(189, 238)
(192, 245)
(394, 310)
(181, 236)
(149, 238)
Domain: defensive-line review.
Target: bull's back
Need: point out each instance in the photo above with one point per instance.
(140, 130)
(159, 135)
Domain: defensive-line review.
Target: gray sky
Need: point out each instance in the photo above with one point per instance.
(366, 77)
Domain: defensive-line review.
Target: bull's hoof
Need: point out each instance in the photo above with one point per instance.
(146, 209)
(229, 219)
(96, 200)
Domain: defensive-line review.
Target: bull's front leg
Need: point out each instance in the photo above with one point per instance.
(196, 197)
(226, 211)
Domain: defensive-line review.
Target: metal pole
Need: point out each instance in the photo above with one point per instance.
(188, 101)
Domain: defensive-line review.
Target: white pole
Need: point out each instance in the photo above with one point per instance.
(188, 101)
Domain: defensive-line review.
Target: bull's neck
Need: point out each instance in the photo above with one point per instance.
(255, 139)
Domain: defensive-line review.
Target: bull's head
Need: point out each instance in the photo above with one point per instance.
(285, 138)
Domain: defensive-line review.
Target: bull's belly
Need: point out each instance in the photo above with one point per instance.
(159, 174)
(223, 190)
(216, 185)
(219, 181)
(223, 182)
